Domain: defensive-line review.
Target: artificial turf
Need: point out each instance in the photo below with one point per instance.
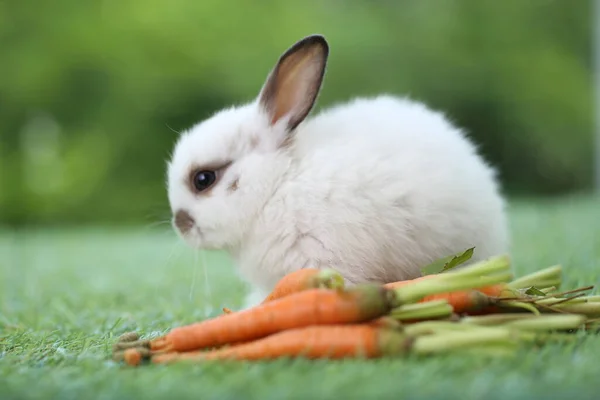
(66, 294)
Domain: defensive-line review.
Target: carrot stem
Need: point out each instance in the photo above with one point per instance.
(578, 290)
(519, 304)
(490, 266)
(430, 327)
(493, 319)
(426, 310)
(444, 284)
(517, 323)
(587, 309)
(549, 290)
(457, 340)
(544, 278)
(521, 295)
(554, 301)
(543, 283)
(527, 321)
(547, 322)
(329, 278)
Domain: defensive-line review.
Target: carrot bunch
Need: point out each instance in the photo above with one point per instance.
(312, 314)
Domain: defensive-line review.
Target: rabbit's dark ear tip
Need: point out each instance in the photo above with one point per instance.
(310, 41)
(315, 39)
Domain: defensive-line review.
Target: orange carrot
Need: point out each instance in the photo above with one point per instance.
(461, 301)
(312, 342)
(133, 356)
(309, 307)
(474, 300)
(498, 290)
(477, 301)
(302, 279)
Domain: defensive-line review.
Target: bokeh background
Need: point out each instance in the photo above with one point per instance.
(92, 92)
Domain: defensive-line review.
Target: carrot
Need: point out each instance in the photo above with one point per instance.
(498, 290)
(309, 307)
(312, 342)
(133, 356)
(303, 279)
(484, 300)
(461, 301)
(336, 342)
(475, 301)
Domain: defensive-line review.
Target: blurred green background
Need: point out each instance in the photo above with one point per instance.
(92, 92)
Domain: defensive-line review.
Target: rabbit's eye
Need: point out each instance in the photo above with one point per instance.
(202, 180)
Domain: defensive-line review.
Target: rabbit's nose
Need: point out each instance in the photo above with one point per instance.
(183, 221)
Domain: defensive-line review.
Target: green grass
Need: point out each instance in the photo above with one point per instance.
(65, 296)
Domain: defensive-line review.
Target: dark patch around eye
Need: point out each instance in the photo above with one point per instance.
(202, 179)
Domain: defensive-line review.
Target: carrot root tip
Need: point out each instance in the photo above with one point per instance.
(133, 357)
(129, 355)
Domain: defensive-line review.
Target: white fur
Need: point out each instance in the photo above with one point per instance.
(375, 188)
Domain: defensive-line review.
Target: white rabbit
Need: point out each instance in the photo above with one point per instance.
(375, 188)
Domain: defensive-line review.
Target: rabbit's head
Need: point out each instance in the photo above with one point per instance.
(224, 169)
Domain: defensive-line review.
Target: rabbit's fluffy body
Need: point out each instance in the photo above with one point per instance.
(375, 188)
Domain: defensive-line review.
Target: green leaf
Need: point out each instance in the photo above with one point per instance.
(446, 263)
(436, 266)
(459, 259)
(533, 291)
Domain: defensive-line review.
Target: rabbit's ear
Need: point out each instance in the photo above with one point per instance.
(293, 85)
